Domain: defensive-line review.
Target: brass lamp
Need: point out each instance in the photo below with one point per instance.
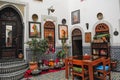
(50, 36)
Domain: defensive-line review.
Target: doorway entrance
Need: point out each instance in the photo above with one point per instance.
(11, 33)
(77, 43)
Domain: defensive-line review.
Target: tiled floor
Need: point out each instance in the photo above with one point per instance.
(61, 76)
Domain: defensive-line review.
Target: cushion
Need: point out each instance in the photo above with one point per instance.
(77, 69)
(101, 67)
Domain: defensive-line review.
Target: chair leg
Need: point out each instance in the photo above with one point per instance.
(83, 78)
(109, 76)
(105, 76)
(72, 77)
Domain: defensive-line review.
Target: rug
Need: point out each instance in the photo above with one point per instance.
(60, 75)
(28, 72)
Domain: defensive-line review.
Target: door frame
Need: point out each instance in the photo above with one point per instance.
(76, 32)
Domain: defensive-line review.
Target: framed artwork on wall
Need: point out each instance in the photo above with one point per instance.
(63, 31)
(75, 17)
(34, 29)
(88, 37)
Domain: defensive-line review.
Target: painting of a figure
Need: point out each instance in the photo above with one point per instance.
(34, 29)
(63, 31)
(75, 17)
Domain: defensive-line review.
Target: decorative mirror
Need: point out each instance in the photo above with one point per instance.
(35, 17)
(116, 33)
(63, 21)
(100, 16)
(8, 35)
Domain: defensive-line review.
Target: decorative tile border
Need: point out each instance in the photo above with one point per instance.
(115, 53)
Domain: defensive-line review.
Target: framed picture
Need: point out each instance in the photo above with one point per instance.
(88, 37)
(34, 29)
(75, 17)
(63, 31)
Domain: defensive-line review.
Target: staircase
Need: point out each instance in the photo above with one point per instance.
(12, 69)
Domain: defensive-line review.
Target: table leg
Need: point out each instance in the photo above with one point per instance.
(91, 77)
(66, 68)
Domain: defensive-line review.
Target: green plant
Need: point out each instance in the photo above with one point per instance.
(114, 60)
(101, 35)
(37, 45)
(61, 54)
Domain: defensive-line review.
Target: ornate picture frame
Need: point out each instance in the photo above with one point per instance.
(88, 37)
(63, 31)
(34, 29)
(75, 17)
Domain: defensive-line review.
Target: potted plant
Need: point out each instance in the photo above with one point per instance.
(61, 54)
(37, 46)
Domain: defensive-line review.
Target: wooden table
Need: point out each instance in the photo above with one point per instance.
(90, 63)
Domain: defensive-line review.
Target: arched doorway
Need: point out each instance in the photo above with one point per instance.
(11, 33)
(77, 42)
(49, 33)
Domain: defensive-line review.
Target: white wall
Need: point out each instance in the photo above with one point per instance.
(89, 10)
(41, 8)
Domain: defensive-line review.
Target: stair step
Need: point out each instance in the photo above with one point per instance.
(12, 69)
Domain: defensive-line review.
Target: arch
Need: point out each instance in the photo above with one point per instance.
(76, 32)
(49, 33)
(109, 28)
(49, 24)
(102, 28)
(14, 7)
(82, 32)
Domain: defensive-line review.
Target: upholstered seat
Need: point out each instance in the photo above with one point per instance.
(101, 67)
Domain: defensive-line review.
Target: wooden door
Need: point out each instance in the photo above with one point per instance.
(77, 42)
(11, 33)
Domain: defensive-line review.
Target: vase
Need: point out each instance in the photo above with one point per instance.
(33, 65)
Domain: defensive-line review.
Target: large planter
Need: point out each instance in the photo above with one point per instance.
(20, 56)
(113, 65)
(33, 65)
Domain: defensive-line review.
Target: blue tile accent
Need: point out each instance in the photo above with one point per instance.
(114, 51)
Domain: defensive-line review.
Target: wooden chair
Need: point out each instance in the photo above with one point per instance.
(70, 63)
(104, 70)
(79, 70)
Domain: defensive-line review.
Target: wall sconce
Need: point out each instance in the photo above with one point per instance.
(87, 26)
(50, 10)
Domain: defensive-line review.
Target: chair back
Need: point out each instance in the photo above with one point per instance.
(79, 64)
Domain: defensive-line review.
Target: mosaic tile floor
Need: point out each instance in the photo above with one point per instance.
(61, 76)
